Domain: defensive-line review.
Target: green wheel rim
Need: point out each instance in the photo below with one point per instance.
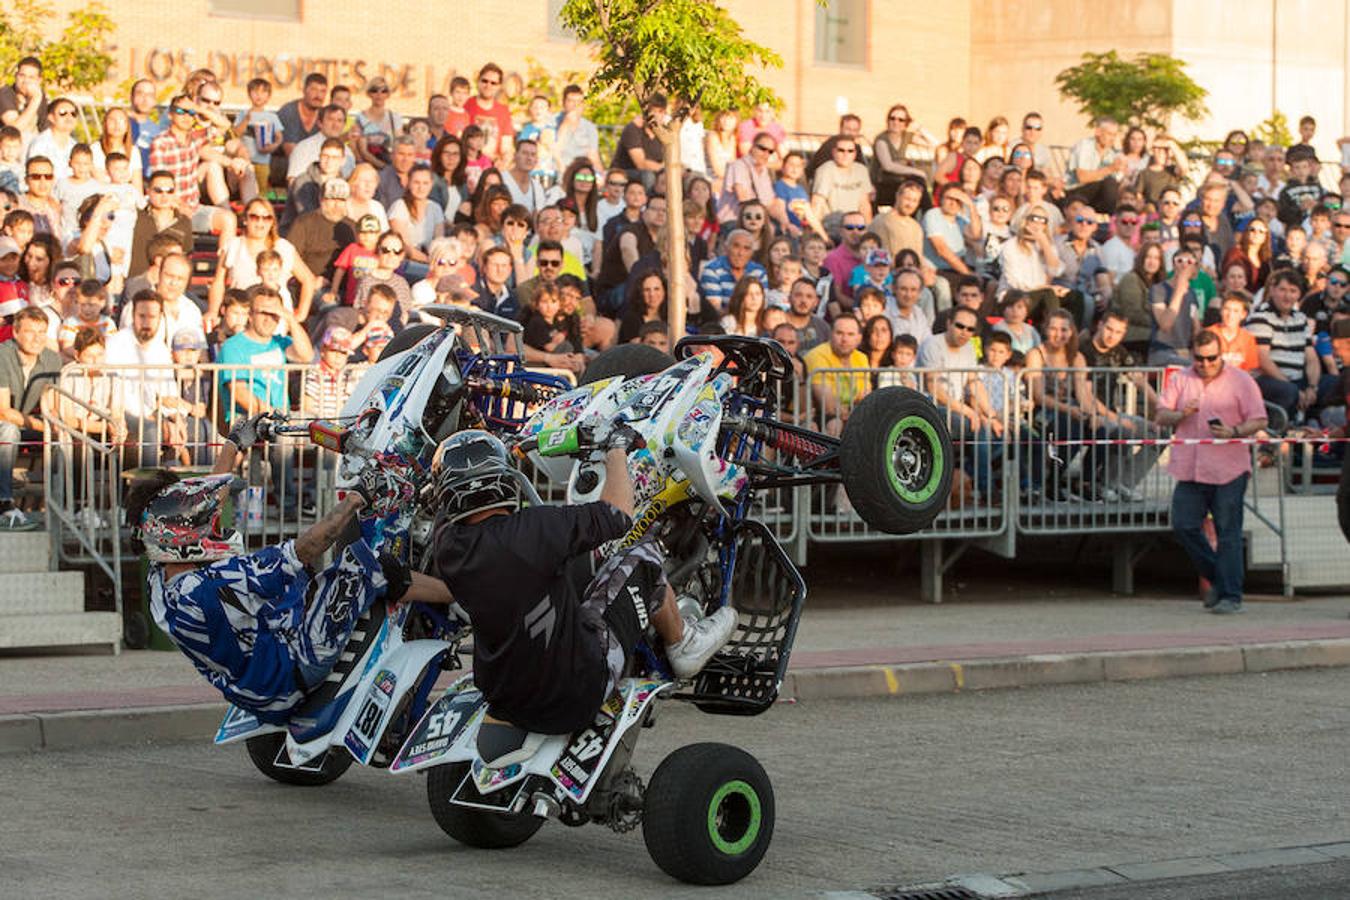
(914, 459)
(734, 818)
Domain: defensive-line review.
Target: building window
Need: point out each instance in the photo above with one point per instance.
(555, 26)
(841, 33)
(280, 10)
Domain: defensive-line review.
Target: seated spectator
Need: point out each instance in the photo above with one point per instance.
(1290, 375)
(547, 330)
(842, 185)
(1251, 251)
(177, 309)
(803, 302)
(961, 397)
(1115, 401)
(378, 314)
(134, 348)
(639, 153)
(815, 249)
(159, 217)
(331, 382)
(389, 252)
(11, 159)
(357, 260)
(185, 416)
(909, 318)
(238, 266)
(233, 320)
(260, 130)
(871, 303)
(791, 191)
(89, 249)
(947, 227)
(878, 337)
(654, 334)
(1096, 167)
(72, 190)
(93, 388)
(997, 232)
(781, 279)
(749, 178)
(598, 332)
(37, 200)
(320, 236)
(1321, 306)
(969, 296)
(12, 287)
(900, 359)
(185, 151)
(897, 227)
(27, 370)
(306, 192)
(744, 307)
(377, 126)
(1236, 343)
(1131, 297)
(722, 273)
(1117, 254)
(841, 261)
(645, 305)
(1062, 397)
(363, 183)
(415, 217)
(377, 336)
(836, 393)
(444, 259)
(1176, 314)
(90, 312)
(998, 379)
(1022, 336)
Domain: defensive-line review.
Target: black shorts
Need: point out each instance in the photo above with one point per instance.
(626, 592)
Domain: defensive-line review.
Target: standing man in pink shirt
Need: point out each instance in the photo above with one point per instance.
(1212, 400)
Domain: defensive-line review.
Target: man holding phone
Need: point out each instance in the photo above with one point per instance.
(1212, 400)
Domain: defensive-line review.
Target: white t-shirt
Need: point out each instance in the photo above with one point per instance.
(306, 152)
(141, 390)
(1117, 256)
(187, 315)
(243, 264)
(531, 197)
(423, 232)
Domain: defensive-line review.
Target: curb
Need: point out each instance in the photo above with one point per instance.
(82, 729)
(951, 676)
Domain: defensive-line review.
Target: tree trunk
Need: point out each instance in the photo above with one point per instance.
(676, 253)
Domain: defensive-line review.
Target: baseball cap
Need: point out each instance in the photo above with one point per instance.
(337, 189)
(368, 223)
(8, 246)
(455, 287)
(188, 339)
(379, 333)
(336, 338)
(568, 204)
(878, 257)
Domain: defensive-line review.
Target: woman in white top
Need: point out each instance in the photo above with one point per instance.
(116, 138)
(416, 217)
(238, 266)
(377, 125)
(1028, 262)
(364, 181)
(747, 301)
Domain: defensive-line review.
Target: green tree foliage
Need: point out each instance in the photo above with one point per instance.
(693, 52)
(1145, 90)
(1274, 131)
(76, 58)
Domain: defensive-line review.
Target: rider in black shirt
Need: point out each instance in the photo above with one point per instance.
(548, 647)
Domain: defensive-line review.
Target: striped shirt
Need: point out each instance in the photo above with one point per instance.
(717, 281)
(1286, 337)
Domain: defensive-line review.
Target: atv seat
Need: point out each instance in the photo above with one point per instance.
(501, 744)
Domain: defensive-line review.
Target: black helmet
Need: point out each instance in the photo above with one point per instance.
(472, 473)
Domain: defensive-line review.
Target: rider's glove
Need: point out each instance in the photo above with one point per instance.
(247, 432)
(625, 437)
(384, 489)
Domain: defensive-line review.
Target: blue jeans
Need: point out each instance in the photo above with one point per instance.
(10, 436)
(1191, 501)
(975, 448)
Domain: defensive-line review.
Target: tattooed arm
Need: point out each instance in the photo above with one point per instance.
(316, 539)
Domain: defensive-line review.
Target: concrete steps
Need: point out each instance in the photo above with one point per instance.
(1316, 547)
(44, 609)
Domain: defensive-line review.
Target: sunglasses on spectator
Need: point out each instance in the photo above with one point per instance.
(259, 217)
(1192, 223)
(388, 249)
(858, 227)
(765, 148)
(489, 81)
(616, 184)
(845, 149)
(182, 111)
(550, 263)
(1032, 127)
(40, 176)
(1083, 220)
(1206, 359)
(1171, 203)
(1038, 218)
(1003, 207)
(1339, 282)
(1021, 154)
(1129, 221)
(1333, 205)
(902, 119)
(587, 177)
(378, 91)
(68, 280)
(961, 326)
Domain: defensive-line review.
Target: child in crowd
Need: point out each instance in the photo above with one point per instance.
(814, 250)
(12, 287)
(467, 236)
(547, 329)
(356, 260)
(871, 302)
(331, 382)
(91, 305)
(543, 130)
(11, 159)
(82, 379)
(128, 198)
(269, 263)
(233, 319)
(781, 278)
(903, 352)
(184, 417)
(1023, 335)
(261, 130)
(875, 270)
(377, 315)
(71, 192)
(374, 338)
(655, 334)
(420, 132)
(999, 380)
(458, 117)
(476, 162)
(770, 317)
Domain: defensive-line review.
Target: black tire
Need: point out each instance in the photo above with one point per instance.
(708, 814)
(628, 360)
(896, 457)
(408, 337)
(263, 751)
(136, 631)
(474, 827)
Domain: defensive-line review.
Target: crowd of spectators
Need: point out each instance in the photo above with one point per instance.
(328, 225)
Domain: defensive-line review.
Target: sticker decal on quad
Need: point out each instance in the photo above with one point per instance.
(364, 729)
(237, 721)
(576, 767)
(438, 729)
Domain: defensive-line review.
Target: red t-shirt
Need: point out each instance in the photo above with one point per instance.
(359, 262)
(456, 120)
(495, 122)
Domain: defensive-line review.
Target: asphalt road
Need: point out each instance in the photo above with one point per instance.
(870, 794)
(1325, 881)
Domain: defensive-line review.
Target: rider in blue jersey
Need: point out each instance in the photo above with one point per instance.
(263, 628)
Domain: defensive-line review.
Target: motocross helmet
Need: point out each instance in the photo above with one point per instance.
(182, 523)
(472, 473)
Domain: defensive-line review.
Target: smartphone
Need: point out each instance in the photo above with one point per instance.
(1215, 421)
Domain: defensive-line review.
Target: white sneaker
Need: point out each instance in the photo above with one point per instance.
(1109, 494)
(701, 640)
(1134, 495)
(17, 520)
